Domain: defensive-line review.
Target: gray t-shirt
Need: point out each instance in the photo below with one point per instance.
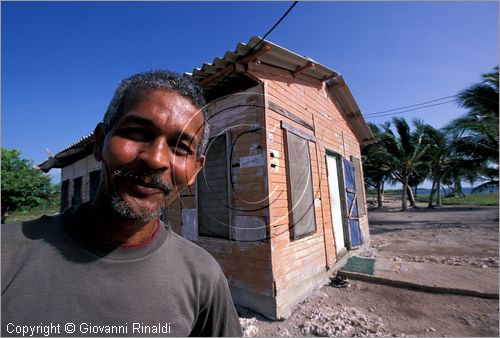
(54, 284)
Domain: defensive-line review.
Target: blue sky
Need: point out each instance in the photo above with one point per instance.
(62, 61)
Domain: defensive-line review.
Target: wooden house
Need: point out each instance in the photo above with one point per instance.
(280, 202)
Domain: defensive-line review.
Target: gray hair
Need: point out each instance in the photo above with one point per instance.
(183, 85)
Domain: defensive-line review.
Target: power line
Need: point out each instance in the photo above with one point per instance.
(412, 105)
(409, 110)
(265, 35)
(275, 25)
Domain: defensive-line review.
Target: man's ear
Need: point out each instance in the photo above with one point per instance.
(99, 136)
(200, 162)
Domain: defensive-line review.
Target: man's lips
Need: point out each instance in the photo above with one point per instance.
(141, 183)
(144, 189)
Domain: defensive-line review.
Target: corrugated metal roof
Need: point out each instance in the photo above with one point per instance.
(80, 147)
(277, 56)
(83, 140)
(283, 58)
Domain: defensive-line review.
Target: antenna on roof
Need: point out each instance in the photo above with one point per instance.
(51, 154)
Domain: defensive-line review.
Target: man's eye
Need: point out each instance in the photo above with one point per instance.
(182, 150)
(136, 134)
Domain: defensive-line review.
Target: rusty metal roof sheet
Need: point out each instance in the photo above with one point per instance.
(74, 152)
(283, 58)
(277, 56)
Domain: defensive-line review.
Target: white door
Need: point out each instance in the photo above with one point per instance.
(335, 202)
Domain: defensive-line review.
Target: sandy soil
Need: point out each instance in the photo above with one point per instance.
(455, 235)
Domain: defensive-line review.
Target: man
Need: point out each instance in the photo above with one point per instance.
(110, 267)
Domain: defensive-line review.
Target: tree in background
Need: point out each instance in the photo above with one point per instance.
(476, 133)
(405, 154)
(443, 163)
(423, 169)
(375, 168)
(23, 185)
(465, 150)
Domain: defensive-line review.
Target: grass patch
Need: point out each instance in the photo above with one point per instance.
(474, 199)
(47, 208)
(389, 193)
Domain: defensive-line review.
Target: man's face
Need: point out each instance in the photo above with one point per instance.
(150, 154)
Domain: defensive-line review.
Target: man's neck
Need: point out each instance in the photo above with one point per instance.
(101, 226)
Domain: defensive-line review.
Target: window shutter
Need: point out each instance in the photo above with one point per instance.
(213, 207)
(301, 198)
(94, 178)
(358, 177)
(77, 192)
(64, 195)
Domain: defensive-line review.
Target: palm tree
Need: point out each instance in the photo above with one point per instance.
(406, 153)
(444, 166)
(375, 168)
(423, 170)
(476, 133)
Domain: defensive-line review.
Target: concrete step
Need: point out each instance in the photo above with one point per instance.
(430, 277)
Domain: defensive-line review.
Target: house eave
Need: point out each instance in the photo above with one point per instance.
(233, 63)
(69, 155)
(340, 91)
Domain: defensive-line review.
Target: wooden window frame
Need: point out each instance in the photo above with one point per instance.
(65, 203)
(74, 195)
(93, 174)
(228, 189)
(307, 137)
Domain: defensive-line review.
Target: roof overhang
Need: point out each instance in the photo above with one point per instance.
(342, 94)
(230, 69)
(261, 51)
(71, 154)
(225, 69)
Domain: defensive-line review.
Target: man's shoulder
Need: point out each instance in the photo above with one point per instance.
(28, 230)
(21, 240)
(191, 249)
(25, 236)
(194, 256)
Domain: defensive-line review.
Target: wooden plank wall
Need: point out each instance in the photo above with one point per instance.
(80, 168)
(246, 263)
(212, 189)
(308, 100)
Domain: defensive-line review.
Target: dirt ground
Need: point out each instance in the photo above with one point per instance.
(454, 235)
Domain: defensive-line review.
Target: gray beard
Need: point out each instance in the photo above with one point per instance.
(126, 210)
(134, 212)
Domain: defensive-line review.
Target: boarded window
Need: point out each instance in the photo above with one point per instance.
(64, 195)
(213, 201)
(300, 189)
(77, 192)
(360, 196)
(94, 178)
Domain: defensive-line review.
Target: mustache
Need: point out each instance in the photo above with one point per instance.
(144, 177)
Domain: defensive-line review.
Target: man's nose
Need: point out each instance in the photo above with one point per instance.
(156, 155)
